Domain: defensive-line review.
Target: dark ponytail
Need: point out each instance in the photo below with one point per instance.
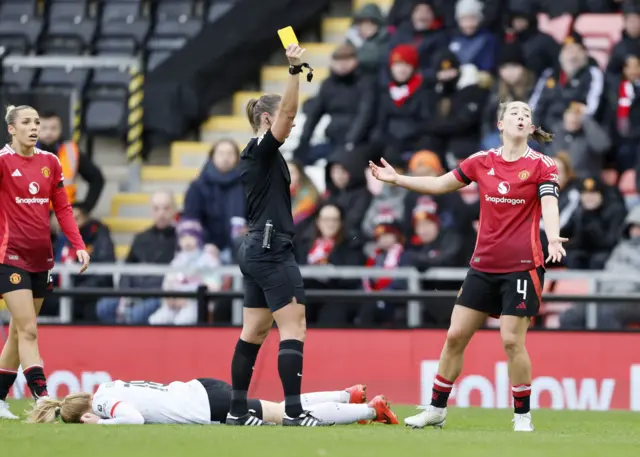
(251, 107)
(541, 136)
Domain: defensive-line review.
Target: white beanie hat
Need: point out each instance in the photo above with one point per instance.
(469, 8)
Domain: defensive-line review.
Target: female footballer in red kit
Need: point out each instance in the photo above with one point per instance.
(517, 187)
(30, 180)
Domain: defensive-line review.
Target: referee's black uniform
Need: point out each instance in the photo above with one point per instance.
(271, 275)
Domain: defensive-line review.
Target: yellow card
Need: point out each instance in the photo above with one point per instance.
(287, 36)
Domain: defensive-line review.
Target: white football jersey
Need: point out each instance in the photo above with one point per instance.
(175, 403)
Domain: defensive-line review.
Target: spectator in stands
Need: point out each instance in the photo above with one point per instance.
(569, 199)
(347, 188)
(624, 261)
(583, 138)
(389, 253)
(596, 226)
(456, 105)
(451, 211)
(349, 97)
(330, 244)
(73, 161)
(155, 245)
(403, 111)
(629, 43)
(389, 202)
(578, 78)
(539, 50)
(216, 199)
(196, 267)
(429, 245)
(370, 37)
(97, 238)
(304, 196)
(424, 30)
(471, 43)
(515, 82)
(627, 116)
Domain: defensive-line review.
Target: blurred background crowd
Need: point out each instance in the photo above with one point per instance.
(419, 84)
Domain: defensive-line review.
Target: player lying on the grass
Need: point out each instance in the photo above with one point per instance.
(199, 401)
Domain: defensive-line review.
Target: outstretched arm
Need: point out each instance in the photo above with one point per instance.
(289, 105)
(421, 184)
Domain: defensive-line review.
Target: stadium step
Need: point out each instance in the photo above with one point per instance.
(318, 54)
(189, 154)
(226, 127)
(136, 205)
(334, 29)
(385, 5)
(122, 251)
(274, 80)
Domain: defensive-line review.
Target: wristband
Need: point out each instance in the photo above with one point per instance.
(295, 69)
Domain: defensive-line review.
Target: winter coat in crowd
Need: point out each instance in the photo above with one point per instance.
(372, 51)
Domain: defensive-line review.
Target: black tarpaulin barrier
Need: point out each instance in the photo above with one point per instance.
(217, 62)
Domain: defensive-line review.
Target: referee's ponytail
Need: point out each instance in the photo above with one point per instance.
(268, 104)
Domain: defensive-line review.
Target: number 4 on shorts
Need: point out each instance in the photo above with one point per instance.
(521, 288)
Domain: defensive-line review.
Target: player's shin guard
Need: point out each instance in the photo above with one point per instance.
(441, 391)
(7, 378)
(244, 358)
(521, 398)
(36, 381)
(290, 369)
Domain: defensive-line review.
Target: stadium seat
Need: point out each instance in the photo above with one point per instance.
(558, 27)
(104, 116)
(115, 46)
(69, 26)
(553, 310)
(601, 32)
(18, 77)
(122, 19)
(174, 9)
(18, 20)
(76, 78)
(627, 182)
(160, 44)
(14, 44)
(111, 78)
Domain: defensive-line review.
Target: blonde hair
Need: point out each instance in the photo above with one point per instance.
(539, 135)
(12, 113)
(256, 107)
(70, 409)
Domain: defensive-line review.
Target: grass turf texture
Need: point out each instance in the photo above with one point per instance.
(469, 432)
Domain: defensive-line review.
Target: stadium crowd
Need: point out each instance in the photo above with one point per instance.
(421, 88)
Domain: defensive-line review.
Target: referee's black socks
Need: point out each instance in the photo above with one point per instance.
(290, 369)
(244, 358)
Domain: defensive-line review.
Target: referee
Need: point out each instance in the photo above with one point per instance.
(273, 287)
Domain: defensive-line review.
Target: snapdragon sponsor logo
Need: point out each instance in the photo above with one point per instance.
(32, 201)
(505, 200)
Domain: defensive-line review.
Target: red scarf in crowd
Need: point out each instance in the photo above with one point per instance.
(391, 260)
(626, 94)
(319, 252)
(401, 93)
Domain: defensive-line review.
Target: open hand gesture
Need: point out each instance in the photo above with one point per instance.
(84, 259)
(386, 173)
(294, 54)
(556, 251)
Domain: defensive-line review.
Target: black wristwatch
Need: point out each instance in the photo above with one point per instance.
(295, 69)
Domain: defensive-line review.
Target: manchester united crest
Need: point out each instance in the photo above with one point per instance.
(524, 174)
(46, 172)
(15, 279)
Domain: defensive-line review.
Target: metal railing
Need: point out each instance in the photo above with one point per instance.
(413, 295)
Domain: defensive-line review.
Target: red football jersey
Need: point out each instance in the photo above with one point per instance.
(27, 186)
(510, 210)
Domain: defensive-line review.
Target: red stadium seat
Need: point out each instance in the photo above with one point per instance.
(552, 310)
(610, 176)
(627, 183)
(600, 33)
(558, 27)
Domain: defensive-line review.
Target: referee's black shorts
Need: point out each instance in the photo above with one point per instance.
(219, 394)
(510, 294)
(272, 278)
(14, 278)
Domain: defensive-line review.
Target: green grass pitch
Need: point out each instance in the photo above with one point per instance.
(469, 433)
